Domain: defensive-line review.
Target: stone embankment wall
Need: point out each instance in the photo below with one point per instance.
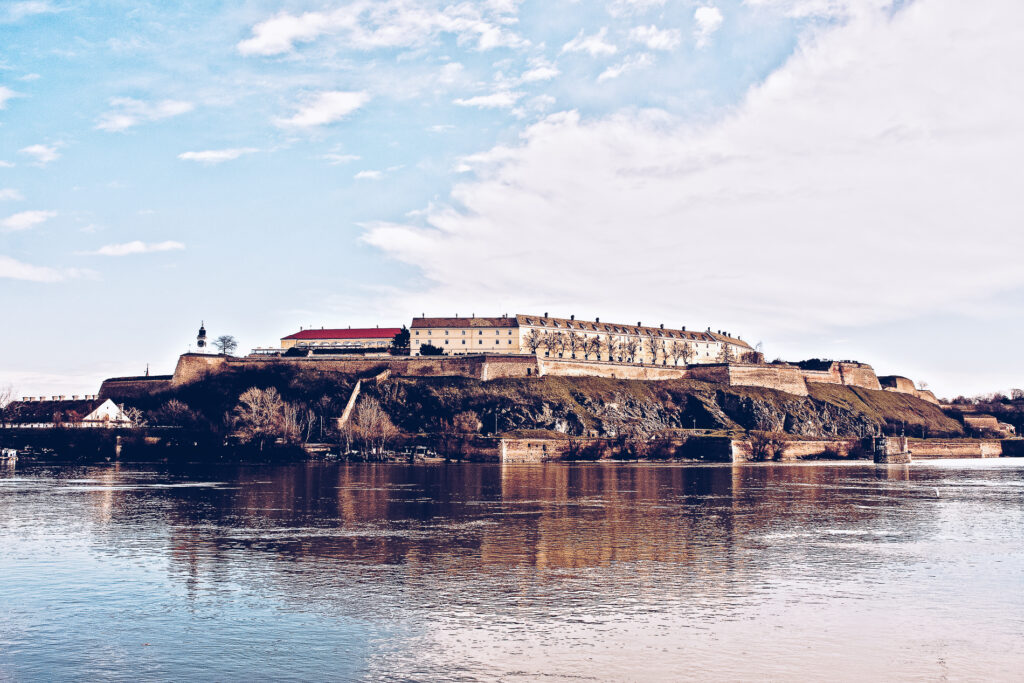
(797, 450)
(960, 448)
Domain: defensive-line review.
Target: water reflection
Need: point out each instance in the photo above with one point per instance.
(505, 571)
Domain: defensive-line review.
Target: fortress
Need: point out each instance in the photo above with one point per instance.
(520, 346)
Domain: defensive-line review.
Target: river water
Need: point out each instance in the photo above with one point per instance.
(517, 572)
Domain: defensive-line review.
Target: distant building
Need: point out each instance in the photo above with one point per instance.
(374, 339)
(85, 412)
(568, 338)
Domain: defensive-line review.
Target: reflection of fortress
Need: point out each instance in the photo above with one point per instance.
(493, 518)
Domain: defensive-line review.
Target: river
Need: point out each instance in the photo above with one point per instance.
(481, 572)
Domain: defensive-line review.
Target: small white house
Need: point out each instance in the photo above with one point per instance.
(74, 413)
(107, 414)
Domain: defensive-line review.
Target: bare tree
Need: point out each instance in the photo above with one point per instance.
(609, 345)
(136, 417)
(226, 344)
(630, 348)
(653, 345)
(592, 345)
(8, 407)
(374, 427)
(573, 342)
(174, 413)
(923, 386)
(258, 415)
(681, 350)
(452, 435)
(725, 353)
(1017, 394)
(556, 342)
(534, 340)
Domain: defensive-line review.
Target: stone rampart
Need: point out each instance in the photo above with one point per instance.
(903, 385)
(786, 378)
(563, 367)
(847, 373)
(120, 388)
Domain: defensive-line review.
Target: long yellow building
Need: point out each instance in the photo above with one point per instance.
(569, 338)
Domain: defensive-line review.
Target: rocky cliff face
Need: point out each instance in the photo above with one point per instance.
(603, 407)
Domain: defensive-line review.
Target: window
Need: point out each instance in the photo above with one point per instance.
(417, 333)
(446, 333)
(480, 341)
(463, 341)
(480, 331)
(445, 341)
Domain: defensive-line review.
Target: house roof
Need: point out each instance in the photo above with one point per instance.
(347, 333)
(422, 323)
(43, 411)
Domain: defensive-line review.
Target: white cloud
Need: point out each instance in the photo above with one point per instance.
(43, 154)
(451, 73)
(594, 45)
(709, 19)
(374, 24)
(334, 159)
(18, 270)
(6, 164)
(26, 220)
(871, 178)
(17, 11)
(325, 107)
(5, 95)
(9, 194)
(137, 247)
(29, 77)
(655, 38)
(127, 112)
(631, 63)
(216, 156)
(620, 8)
(540, 71)
(498, 100)
(368, 175)
(822, 8)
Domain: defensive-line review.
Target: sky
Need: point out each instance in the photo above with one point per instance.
(831, 178)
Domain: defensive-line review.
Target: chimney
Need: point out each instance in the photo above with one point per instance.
(639, 324)
(545, 314)
(684, 328)
(662, 326)
(572, 317)
(597, 320)
(74, 397)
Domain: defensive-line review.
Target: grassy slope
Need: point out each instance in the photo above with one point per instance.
(893, 408)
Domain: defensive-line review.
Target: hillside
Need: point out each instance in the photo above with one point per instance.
(599, 406)
(572, 405)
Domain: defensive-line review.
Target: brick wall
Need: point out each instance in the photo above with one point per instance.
(120, 389)
(849, 374)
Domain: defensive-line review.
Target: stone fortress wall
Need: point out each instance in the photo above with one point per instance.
(779, 376)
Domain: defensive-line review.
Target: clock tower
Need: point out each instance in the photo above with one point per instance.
(201, 337)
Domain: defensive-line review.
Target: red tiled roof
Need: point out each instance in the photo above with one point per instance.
(348, 333)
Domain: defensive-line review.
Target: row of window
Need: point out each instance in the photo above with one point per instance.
(479, 332)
